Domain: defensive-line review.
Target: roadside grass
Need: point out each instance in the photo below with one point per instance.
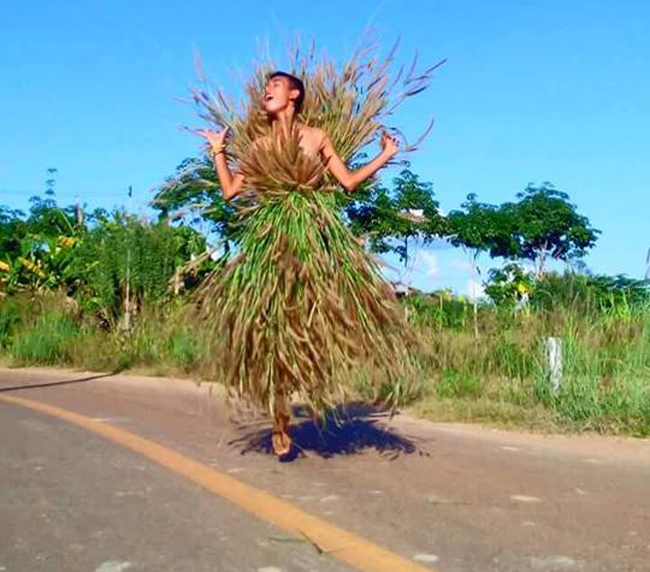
(498, 378)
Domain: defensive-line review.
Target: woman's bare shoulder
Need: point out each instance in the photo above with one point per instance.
(316, 135)
(316, 131)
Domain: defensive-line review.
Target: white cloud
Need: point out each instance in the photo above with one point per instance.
(459, 264)
(421, 269)
(475, 290)
(426, 262)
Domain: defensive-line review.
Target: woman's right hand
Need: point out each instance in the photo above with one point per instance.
(216, 139)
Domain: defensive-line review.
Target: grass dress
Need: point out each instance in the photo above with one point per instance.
(302, 304)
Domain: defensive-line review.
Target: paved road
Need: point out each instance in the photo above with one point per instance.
(451, 498)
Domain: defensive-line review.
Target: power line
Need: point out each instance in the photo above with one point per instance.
(33, 192)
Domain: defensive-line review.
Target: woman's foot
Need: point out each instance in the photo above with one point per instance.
(280, 435)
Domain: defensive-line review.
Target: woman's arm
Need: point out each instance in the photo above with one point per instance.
(230, 185)
(350, 180)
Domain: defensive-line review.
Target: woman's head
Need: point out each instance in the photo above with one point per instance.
(282, 91)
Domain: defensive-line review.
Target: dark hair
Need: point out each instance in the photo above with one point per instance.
(294, 83)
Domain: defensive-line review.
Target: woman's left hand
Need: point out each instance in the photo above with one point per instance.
(389, 145)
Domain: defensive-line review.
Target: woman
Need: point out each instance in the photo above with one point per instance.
(302, 303)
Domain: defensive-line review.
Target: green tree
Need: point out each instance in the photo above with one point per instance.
(12, 229)
(590, 293)
(481, 227)
(36, 249)
(372, 216)
(418, 212)
(547, 224)
(508, 285)
(393, 219)
(193, 194)
(124, 262)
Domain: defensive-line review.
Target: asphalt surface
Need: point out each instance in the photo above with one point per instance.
(454, 498)
(72, 501)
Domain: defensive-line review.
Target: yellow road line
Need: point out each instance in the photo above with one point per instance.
(332, 540)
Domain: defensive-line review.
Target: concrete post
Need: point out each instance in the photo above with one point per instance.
(553, 354)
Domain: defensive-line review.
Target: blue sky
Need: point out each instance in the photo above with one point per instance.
(533, 91)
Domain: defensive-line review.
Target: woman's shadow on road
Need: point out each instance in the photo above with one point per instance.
(349, 429)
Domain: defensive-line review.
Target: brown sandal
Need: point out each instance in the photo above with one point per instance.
(280, 434)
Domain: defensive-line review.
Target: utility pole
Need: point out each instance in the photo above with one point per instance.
(127, 290)
(80, 214)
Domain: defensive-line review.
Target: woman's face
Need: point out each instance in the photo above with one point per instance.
(277, 95)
